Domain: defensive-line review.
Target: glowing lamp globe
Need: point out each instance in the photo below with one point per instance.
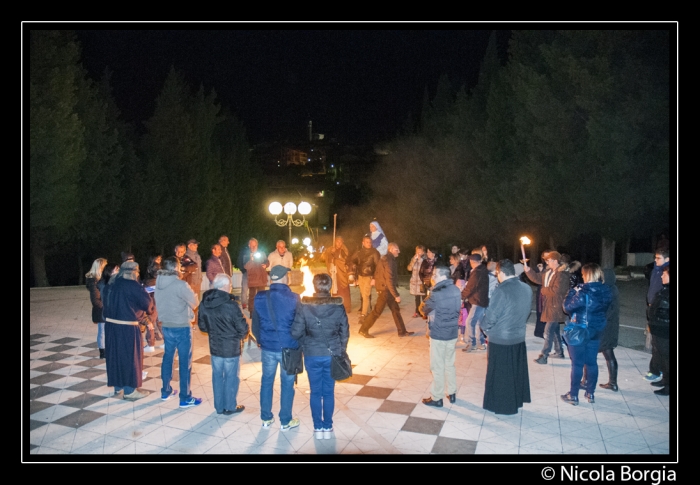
(275, 208)
(304, 208)
(290, 208)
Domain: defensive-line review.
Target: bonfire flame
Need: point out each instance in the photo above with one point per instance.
(308, 282)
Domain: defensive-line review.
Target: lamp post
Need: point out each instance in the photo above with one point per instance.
(290, 208)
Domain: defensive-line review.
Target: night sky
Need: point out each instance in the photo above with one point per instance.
(356, 82)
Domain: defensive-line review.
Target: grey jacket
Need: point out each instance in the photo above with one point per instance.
(446, 303)
(175, 301)
(508, 311)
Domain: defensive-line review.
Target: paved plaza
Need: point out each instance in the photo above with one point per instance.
(68, 408)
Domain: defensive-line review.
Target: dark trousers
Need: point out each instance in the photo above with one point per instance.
(664, 359)
(385, 298)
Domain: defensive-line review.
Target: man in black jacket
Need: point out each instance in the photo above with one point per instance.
(222, 318)
(386, 279)
(442, 308)
(476, 293)
(365, 261)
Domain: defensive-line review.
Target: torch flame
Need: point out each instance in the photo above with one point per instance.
(308, 282)
(525, 240)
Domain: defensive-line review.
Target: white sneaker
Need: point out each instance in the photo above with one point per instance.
(161, 346)
(327, 434)
(143, 374)
(318, 434)
(149, 348)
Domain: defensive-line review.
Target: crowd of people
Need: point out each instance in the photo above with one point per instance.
(488, 301)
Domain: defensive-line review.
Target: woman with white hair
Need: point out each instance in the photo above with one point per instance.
(91, 279)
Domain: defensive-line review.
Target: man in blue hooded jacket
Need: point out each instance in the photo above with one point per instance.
(273, 315)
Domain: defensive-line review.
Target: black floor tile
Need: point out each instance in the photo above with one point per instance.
(92, 345)
(59, 348)
(36, 406)
(397, 407)
(204, 360)
(50, 367)
(423, 425)
(35, 342)
(41, 391)
(91, 353)
(92, 362)
(64, 340)
(55, 357)
(79, 418)
(31, 446)
(86, 386)
(358, 379)
(34, 424)
(452, 446)
(33, 350)
(377, 392)
(83, 401)
(36, 336)
(44, 378)
(89, 373)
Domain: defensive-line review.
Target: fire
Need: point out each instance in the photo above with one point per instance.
(308, 283)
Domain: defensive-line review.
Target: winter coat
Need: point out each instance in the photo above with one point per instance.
(552, 296)
(214, 267)
(612, 329)
(386, 276)
(590, 311)
(476, 291)
(175, 301)
(659, 314)
(257, 276)
(445, 304)
(655, 283)
(270, 336)
(321, 321)
(426, 270)
(366, 261)
(416, 286)
(96, 300)
(505, 321)
(221, 317)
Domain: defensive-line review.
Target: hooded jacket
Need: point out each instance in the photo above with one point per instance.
(222, 318)
(320, 322)
(445, 304)
(273, 335)
(175, 301)
(588, 303)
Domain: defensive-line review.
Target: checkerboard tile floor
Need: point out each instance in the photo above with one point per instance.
(378, 410)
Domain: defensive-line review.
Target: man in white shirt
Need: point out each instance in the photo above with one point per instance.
(280, 256)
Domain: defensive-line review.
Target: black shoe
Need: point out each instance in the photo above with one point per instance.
(238, 409)
(452, 398)
(365, 334)
(406, 334)
(568, 398)
(428, 401)
(662, 392)
(102, 353)
(658, 384)
(542, 359)
(590, 397)
(608, 385)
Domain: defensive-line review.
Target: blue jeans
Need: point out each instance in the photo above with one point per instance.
(100, 335)
(270, 361)
(225, 381)
(322, 400)
(586, 354)
(475, 317)
(552, 336)
(179, 338)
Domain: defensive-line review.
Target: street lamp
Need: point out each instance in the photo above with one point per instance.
(290, 208)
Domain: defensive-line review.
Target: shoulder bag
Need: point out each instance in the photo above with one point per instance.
(292, 359)
(575, 333)
(341, 367)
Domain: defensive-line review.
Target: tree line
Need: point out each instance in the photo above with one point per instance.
(569, 137)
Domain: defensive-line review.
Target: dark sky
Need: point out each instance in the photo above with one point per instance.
(356, 82)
